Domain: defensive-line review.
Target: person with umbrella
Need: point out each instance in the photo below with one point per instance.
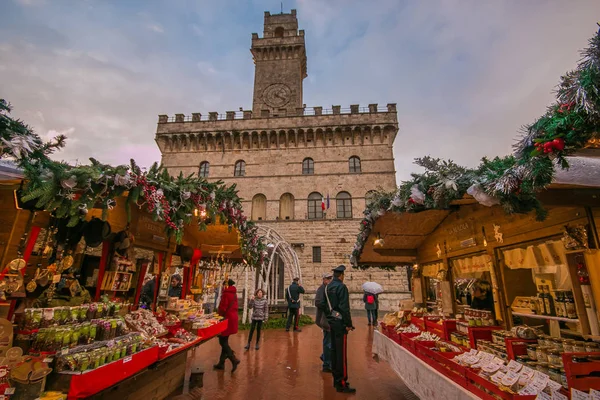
(337, 304)
(371, 300)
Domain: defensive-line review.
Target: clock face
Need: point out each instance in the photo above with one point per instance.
(277, 95)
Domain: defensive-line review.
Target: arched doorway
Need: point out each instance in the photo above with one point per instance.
(282, 267)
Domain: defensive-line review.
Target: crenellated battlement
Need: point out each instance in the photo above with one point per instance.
(300, 112)
(316, 127)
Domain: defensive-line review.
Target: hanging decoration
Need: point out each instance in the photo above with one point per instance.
(499, 236)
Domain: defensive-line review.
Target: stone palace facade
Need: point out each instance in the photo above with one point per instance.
(286, 158)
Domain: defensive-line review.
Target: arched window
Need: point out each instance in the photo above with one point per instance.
(204, 167)
(240, 168)
(259, 207)
(279, 31)
(308, 166)
(354, 163)
(344, 205)
(370, 196)
(314, 206)
(286, 206)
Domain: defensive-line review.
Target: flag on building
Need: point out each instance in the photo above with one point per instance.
(323, 203)
(328, 201)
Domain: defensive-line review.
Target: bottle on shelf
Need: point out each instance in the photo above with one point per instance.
(542, 301)
(549, 302)
(570, 305)
(560, 304)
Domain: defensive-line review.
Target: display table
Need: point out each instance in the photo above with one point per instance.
(420, 378)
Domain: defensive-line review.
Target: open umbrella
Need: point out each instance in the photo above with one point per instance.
(372, 287)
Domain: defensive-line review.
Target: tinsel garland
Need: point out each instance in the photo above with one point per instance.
(18, 140)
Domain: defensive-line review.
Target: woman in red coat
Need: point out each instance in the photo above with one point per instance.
(228, 308)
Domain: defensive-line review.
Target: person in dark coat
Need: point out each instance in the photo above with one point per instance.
(292, 295)
(175, 288)
(337, 304)
(321, 321)
(228, 308)
(482, 296)
(147, 295)
(371, 305)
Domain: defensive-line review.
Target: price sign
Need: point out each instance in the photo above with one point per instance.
(9, 391)
(528, 372)
(510, 378)
(514, 366)
(497, 378)
(559, 396)
(48, 360)
(528, 390)
(56, 278)
(579, 395)
(543, 396)
(127, 359)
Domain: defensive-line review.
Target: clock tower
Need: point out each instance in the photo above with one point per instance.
(280, 66)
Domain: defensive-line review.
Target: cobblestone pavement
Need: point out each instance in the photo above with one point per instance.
(287, 367)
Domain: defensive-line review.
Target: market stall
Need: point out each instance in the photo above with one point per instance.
(104, 290)
(505, 258)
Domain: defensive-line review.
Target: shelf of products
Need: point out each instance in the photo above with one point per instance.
(547, 317)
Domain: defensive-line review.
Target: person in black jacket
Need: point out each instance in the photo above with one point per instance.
(321, 321)
(147, 295)
(292, 295)
(337, 304)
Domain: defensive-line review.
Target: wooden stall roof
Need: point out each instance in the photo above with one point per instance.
(148, 233)
(402, 235)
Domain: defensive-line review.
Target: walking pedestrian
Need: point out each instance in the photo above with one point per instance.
(228, 308)
(337, 304)
(292, 295)
(321, 321)
(260, 314)
(371, 301)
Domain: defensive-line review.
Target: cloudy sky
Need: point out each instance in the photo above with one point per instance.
(466, 74)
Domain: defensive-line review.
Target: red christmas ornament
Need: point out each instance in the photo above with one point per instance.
(559, 144)
(410, 201)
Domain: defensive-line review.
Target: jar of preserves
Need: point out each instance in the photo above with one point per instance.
(541, 354)
(568, 345)
(555, 358)
(478, 317)
(579, 347)
(592, 347)
(531, 351)
(557, 344)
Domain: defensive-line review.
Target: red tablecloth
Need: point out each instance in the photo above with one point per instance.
(92, 382)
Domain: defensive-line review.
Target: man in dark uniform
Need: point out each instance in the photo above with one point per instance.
(292, 295)
(337, 304)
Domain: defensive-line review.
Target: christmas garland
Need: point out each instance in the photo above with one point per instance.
(511, 181)
(70, 191)
(17, 140)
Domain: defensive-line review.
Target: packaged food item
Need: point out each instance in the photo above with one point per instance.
(568, 345)
(555, 358)
(542, 354)
(532, 351)
(579, 347)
